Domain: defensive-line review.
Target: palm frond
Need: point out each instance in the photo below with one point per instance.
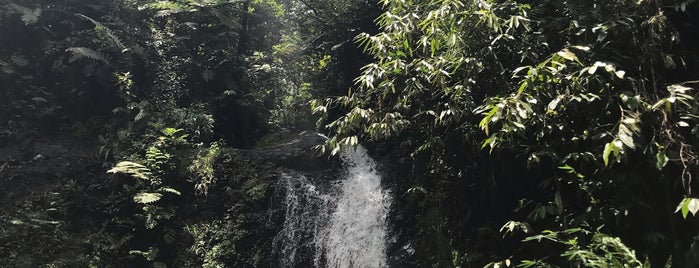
(108, 33)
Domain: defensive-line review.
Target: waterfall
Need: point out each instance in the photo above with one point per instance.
(304, 210)
(340, 225)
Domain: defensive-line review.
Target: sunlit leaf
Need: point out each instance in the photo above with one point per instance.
(134, 169)
(688, 205)
(620, 74)
(608, 148)
(567, 54)
(627, 140)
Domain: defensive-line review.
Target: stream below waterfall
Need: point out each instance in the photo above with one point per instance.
(342, 224)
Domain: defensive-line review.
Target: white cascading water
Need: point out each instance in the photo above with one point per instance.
(344, 226)
(304, 203)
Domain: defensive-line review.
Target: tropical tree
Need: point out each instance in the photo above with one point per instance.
(588, 101)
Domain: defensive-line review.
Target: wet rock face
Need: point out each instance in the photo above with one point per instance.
(295, 151)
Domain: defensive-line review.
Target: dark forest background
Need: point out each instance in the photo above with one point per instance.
(512, 133)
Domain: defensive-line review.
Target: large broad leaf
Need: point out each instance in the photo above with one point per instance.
(147, 198)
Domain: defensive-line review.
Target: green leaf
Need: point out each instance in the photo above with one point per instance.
(592, 69)
(658, 104)
(485, 143)
(684, 207)
(627, 140)
(554, 103)
(583, 48)
(522, 86)
(617, 145)
(488, 117)
(171, 131)
(688, 205)
(567, 54)
(693, 205)
(620, 74)
(607, 151)
(336, 149)
(661, 160)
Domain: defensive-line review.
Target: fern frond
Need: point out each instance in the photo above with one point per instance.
(156, 159)
(146, 198)
(29, 16)
(83, 52)
(136, 170)
(171, 132)
(20, 60)
(100, 28)
(6, 68)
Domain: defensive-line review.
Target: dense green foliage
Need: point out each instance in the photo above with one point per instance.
(513, 133)
(591, 101)
(159, 93)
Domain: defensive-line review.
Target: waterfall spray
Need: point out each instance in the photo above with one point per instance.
(345, 227)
